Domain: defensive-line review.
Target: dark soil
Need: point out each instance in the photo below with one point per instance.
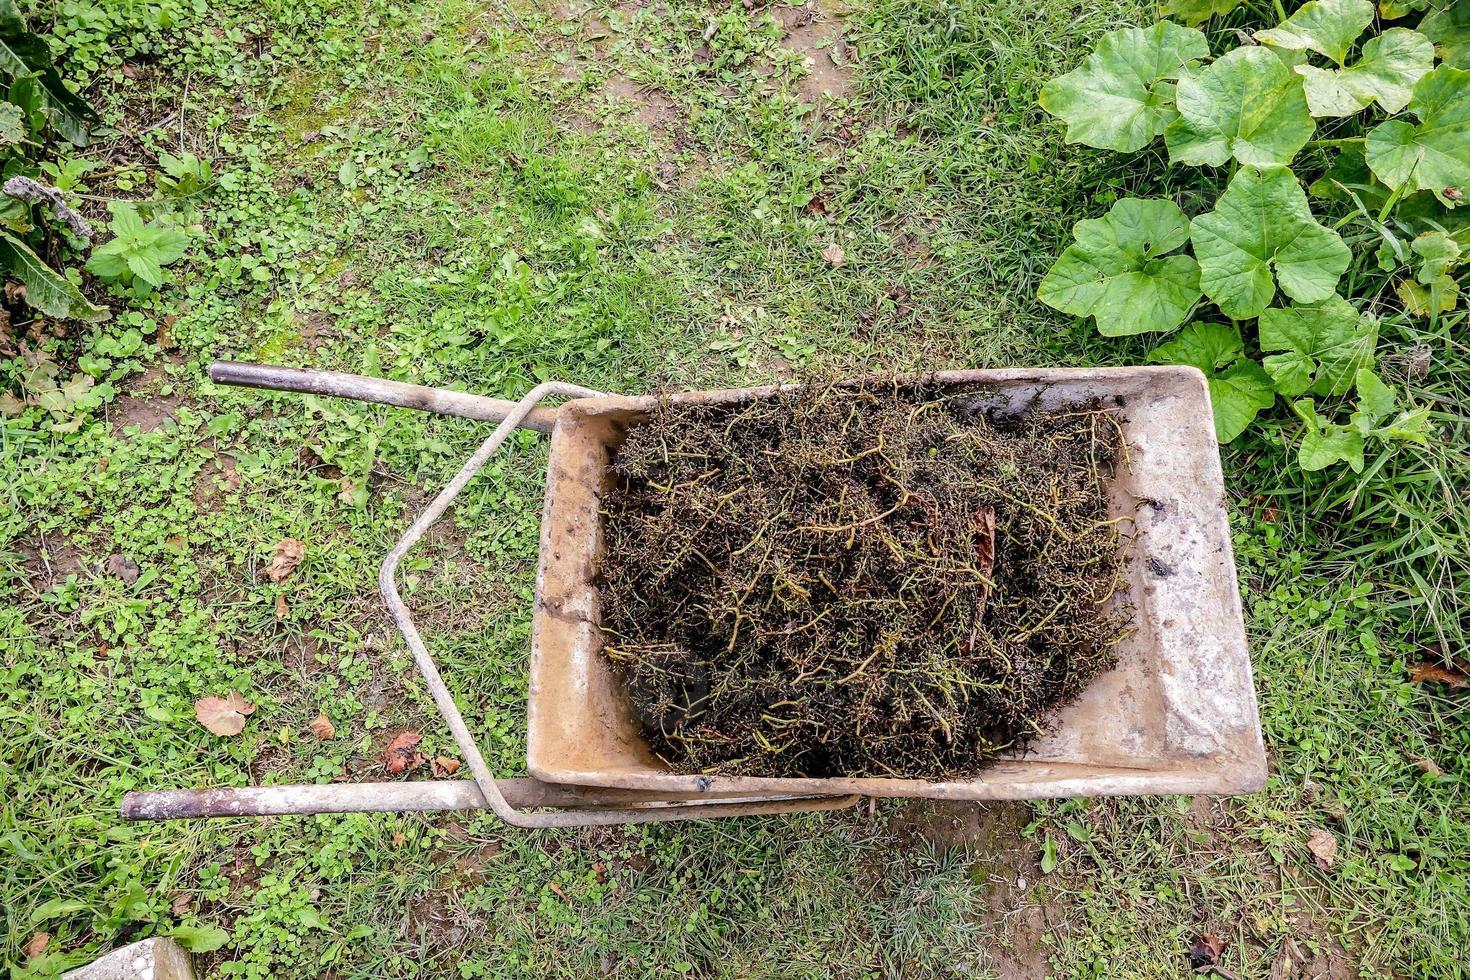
(839, 582)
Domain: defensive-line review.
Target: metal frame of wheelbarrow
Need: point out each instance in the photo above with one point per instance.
(520, 802)
(1178, 715)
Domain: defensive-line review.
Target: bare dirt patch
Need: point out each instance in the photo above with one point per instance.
(143, 406)
(215, 480)
(813, 32)
(654, 109)
(46, 561)
(1006, 868)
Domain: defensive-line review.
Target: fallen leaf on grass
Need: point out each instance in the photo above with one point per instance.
(398, 839)
(559, 893)
(37, 945)
(445, 766)
(223, 716)
(1428, 766)
(347, 493)
(834, 254)
(231, 470)
(402, 753)
(1205, 950)
(321, 727)
(1284, 967)
(289, 552)
(1323, 847)
(282, 610)
(182, 904)
(1424, 672)
(122, 567)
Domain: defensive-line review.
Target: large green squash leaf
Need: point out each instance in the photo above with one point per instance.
(1386, 73)
(25, 53)
(1115, 273)
(1328, 27)
(1394, 9)
(1429, 299)
(1195, 12)
(1239, 388)
(1449, 29)
(1326, 345)
(1262, 224)
(1122, 96)
(1435, 154)
(1248, 104)
(46, 289)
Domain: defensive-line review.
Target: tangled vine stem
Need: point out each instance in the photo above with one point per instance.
(886, 581)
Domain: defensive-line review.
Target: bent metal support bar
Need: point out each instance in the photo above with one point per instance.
(521, 802)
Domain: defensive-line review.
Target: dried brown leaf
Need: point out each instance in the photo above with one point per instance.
(282, 610)
(289, 553)
(445, 766)
(322, 727)
(37, 944)
(122, 567)
(1323, 847)
(1422, 673)
(834, 255)
(1427, 765)
(1206, 949)
(402, 754)
(223, 716)
(1288, 958)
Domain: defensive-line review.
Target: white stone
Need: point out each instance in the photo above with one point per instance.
(152, 959)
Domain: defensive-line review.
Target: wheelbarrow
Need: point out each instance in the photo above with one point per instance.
(1177, 715)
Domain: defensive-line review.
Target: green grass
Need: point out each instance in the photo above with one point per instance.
(430, 192)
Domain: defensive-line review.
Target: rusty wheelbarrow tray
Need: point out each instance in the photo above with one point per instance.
(1178, 715)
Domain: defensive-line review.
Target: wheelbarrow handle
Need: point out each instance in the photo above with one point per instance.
(339, 384)
(458, 794)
